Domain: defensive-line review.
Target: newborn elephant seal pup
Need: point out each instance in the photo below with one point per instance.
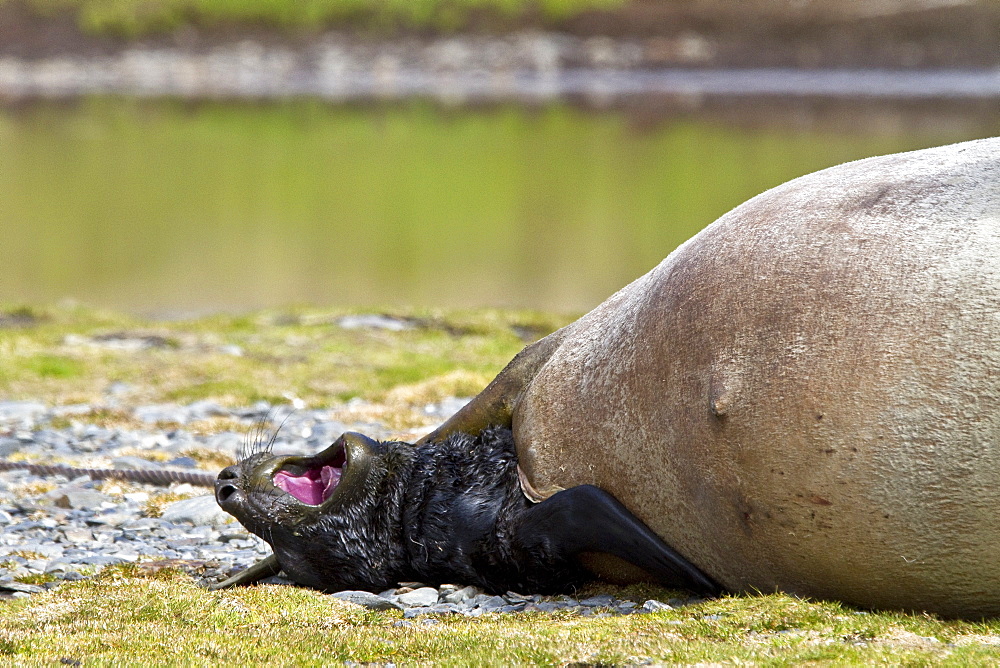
(367, 515)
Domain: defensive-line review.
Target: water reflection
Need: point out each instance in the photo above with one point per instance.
(160, 206)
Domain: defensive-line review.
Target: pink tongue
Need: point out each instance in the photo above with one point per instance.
(309, 488)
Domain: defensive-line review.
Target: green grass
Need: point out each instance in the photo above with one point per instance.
(52, 366)
(61, 358)
(124, 616)
(137, 17)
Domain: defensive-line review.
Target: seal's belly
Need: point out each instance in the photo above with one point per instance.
(806, 396)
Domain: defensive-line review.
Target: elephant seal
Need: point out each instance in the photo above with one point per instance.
(364, 514)
(803, 397)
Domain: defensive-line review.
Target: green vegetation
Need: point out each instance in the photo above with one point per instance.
(36, 578)
(137, 17)
(72, 354)
(52, 366)
(140, 618)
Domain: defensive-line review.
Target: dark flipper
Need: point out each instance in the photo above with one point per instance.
(588, 519)
(494, 406)
(264, 568)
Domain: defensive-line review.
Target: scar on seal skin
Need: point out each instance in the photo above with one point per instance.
(364, 514)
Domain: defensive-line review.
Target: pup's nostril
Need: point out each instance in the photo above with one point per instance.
(229, 473)
(224, 492)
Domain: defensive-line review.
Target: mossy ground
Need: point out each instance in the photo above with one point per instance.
(109, 361)
(130, 617)
(133, 615)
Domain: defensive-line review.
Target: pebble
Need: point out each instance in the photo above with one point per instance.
(199, 510)
(75, 497)
(419, 597)
(72, 531)
(655, 606)
(368, 600)
(459, 596)
(602, 601)
(20, 411)
(10, 585)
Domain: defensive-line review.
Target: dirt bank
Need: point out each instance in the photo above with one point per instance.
(695, 33)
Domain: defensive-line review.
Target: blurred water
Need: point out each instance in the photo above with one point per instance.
(164, 206)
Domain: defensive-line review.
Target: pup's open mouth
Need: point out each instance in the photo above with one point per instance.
(314, 482)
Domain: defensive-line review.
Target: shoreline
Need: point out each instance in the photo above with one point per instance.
(823, 47)
(523, 67)
(651, 34)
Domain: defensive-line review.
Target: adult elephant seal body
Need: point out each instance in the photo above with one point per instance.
(803, 397)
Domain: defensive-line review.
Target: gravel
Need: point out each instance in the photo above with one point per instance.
(70, 529)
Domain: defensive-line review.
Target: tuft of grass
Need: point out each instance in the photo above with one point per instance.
(53, 366)
(158, 456)
(116, 488)
(108, 418)
(36, 578)
(209, 459)
(154, 506)
(32, 488)
(458, 383)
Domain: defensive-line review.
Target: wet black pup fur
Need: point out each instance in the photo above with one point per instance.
(443, 512)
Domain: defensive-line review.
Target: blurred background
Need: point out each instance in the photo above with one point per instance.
(175, 157)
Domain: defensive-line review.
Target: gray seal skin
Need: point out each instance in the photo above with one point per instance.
(803, 397)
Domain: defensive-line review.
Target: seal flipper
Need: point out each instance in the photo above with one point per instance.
(495, 405)
(264, 568)
(588, 519)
